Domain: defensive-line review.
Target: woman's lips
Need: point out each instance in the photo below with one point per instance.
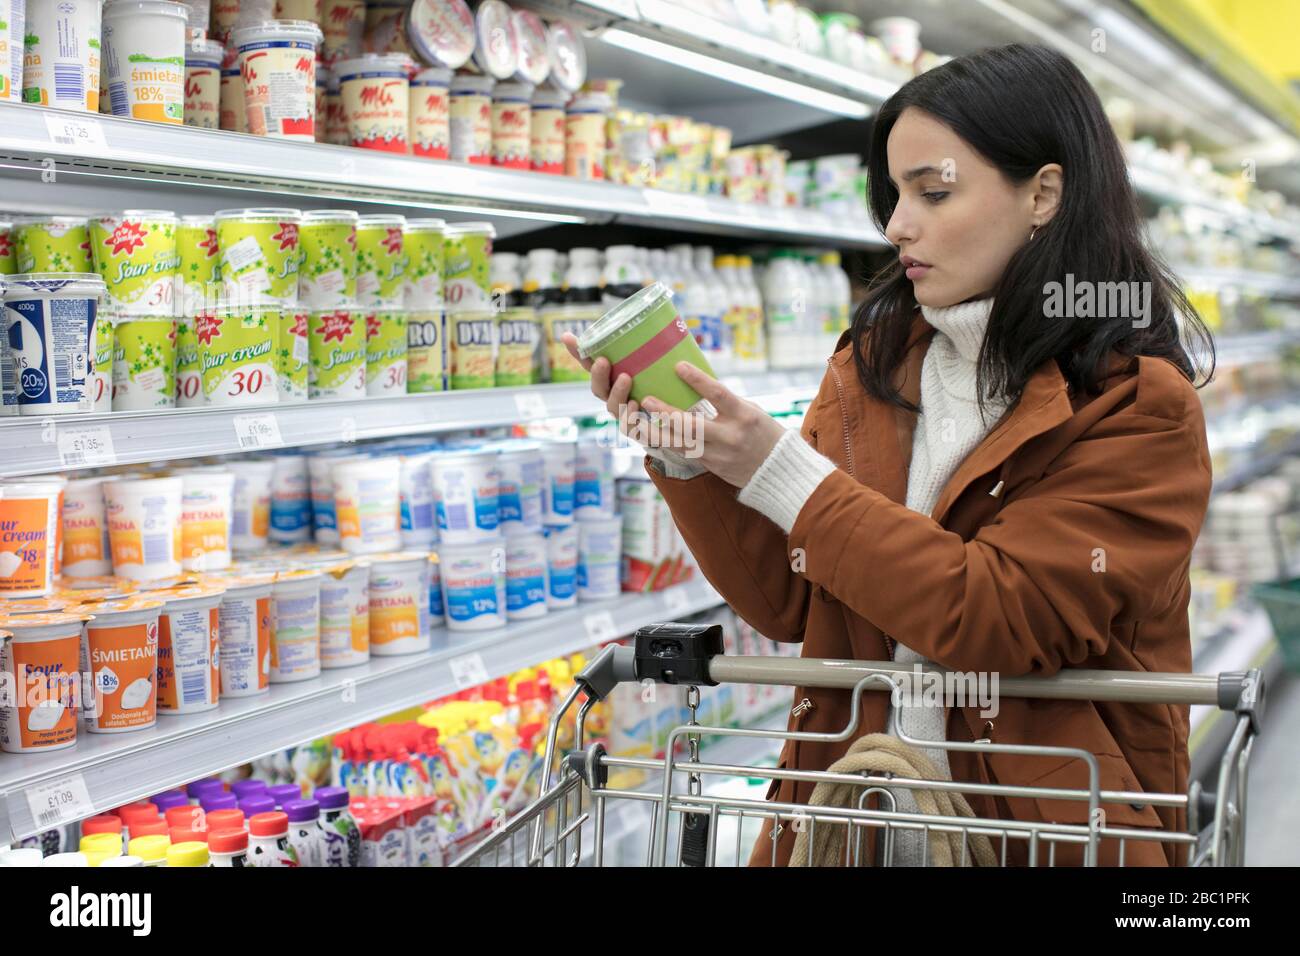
(917, 272)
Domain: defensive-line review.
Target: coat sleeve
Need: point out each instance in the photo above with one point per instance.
(1104, 537)
(741, 552)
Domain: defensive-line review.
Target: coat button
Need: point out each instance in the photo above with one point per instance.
(802, 708)
(988, 730)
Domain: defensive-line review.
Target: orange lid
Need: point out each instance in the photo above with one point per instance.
(34, 606)
(142, 827)
(163, 584)
(190, 592)
(228, 819)
(93, 595)
(188, 835)
(124, 606)
(271, 823)
(187, 816)
(104, 823)
(227, 841)
(301, 574)
(71, 615)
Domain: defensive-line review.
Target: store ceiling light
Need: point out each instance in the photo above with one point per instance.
(740, 75)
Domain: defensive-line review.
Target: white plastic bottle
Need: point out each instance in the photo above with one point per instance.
(786, 305)
(755, 357)
(543, 281)
(838, 280)
(643, 263)
(724, 358)
(305, 835)
(621, 277)
(504, 277)
(582, 278)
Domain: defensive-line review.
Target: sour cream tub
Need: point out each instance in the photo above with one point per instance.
(51, 317)
(367, 505)
(523, 473)
(430, 113)
(61, 63)
(40, 657)
(120, 651)
(419, 526)
(474, 585)
(203, 59)
(30, 537)
(189, 655)
(344, 614)
(526, 575)
(437, 614)
(144, 526)
(562, 566)
(593, 480)
(376, 100)
(399, 597)
(557, 487)
(250, 520)
(290, 499)
(245, 626)
(295, 626)
(144, 57)
(600, 558)
(277, 59)
(320, 470)
(86, 548)
(207, 509)
(466, 488)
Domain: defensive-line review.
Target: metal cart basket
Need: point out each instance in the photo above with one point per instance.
(684, 826)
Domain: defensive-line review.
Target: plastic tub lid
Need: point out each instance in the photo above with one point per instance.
(497, 51)
(622, 317)
(258, 213)
(567, 55)
(442, 31)
(303, 30)
(472, 83)
(426, 225)
(397, 63)
(126, 7)
(85, 283)
(433, 76)
(205, 51)
(314, 216)
(513, 91)
(381, 219)
(534, 60)
(471, 229)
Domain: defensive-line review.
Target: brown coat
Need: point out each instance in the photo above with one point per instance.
(1006, 583)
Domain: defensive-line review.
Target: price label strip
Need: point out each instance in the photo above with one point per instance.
(75, 131)
(85, 446)
(531, 405)
(59, 801)
(600, 627)
(468, 671)
(258, 431)
(676, 204)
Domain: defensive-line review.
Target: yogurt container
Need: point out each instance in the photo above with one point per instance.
(200, 18)
(60, 56)
(11, 50)
(86, 549)
(430, 113)
(584, 136)
(135, 254)
(419, 526)
(291, 366)
(546, 131)
(533, 61)
(600, 558)
(30, 537)
(593, 480)
(556, 320)
(426, 255)
(101, 364)
(557, 487)
(442, 32)
(295, 626)
(474, 585)
(40, 656)
(386, 352)
(567, 55)
(512, 125)
(51, 244)
(320, 469)
(233, 112)
(189, 655)
(207, 514)
(399, 599)
(471, 349)
(376, 100)
(198, 277)
(523, 473)
(189, 367)
(260, 255)
(144, 362)
(519, 336)
(645, 337)
(51, 321)
(344, 614)
(381, 261)
(497, 50)
(437, 614)
(526, 574)
(343, 22)
(328, 277)
(336, 118)
(8, 264)
(203, 59)
(244, 619)
(290, 499)
(468, 266)
(144, 526)
(466, 488)
(144, 58)
(471, 118)
(120, 652)
(426, 351)
(250, 520)
(336, 340)
(277, 61)
(367, 505)
(562, 566)
(237, 352)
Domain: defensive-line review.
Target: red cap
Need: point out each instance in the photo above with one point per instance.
(187, 835)
(273, 823)
(127, 808)
(138, 813)
(104, 823)
(229, 819)
(157, 827)
(227, 841)
(192, 817)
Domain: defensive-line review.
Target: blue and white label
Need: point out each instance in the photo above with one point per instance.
(290, 514)
(469, 603)
(49, 342)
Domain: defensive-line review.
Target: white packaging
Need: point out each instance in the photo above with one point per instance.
(399, 603)
(11, 51)
(61, 64)
(593, 480)
(308, 841)
(189, 655)
(466, 490)
(29, 536)
(38, 718)
(277, 59)
(295, 627)
(245, 647)
(344, 614)
(251, 516)
(290, 499)
(557, 488)
(474, 585)
(144, 527)
(523, 473)
(561, 566)
(600, 558)
(87, 552)
(144, 58)
(51, 318)
(526, 575)
(367, 505)
(437, 614)
(119, 648)
(24, 856)
(207, 513)
(419, 526)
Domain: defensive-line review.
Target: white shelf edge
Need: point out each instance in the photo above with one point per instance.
(118, 769)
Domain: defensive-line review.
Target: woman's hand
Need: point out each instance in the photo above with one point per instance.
(615, 395)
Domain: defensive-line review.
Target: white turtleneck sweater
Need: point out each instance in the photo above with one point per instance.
(949, 427)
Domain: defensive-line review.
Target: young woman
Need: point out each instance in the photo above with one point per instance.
(1004, 470)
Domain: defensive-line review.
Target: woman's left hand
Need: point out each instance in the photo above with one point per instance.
(731, 446)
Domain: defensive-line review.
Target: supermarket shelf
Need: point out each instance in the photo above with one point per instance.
(1258, 283)
(37, 445)
(75, 147)
(1244, 348)
(119, 768)
(1157, 185)
(1263, 464)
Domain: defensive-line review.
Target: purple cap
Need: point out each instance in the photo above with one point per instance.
(168, 799)
(257, 803)
(300, 811)
(246, 788)
(211, 800)
(331, 798)
(196, 789)
(284, 791)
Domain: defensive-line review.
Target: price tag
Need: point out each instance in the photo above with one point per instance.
(677, 601)
(59, 801)
(258, 431)
(600, 627)
(75, 130)
(85, 446)
(531, 405)
(676, 204)
(468, 671)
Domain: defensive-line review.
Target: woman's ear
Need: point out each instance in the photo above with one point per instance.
(1046, 196)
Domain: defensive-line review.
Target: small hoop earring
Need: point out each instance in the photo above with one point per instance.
(1033, 232)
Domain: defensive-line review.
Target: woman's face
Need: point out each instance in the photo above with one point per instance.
(958, 219)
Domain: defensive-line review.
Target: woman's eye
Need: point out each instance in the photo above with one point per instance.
(935, 196)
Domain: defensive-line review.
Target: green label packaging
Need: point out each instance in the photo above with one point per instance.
(237, 352)
(52, 245)
(189, 368)
(136, 257)
(337, 348)
(424, 269)
(386, 353)
(329, 271)
(426, 352)
(518, 335)
(381, 265)
(260, 259)
(144, 362)
(292, 355)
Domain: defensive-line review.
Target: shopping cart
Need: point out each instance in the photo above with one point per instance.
(569, 822)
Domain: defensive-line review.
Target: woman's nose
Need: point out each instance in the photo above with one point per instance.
(899, 229)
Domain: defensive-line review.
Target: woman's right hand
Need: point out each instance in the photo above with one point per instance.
(614, 396)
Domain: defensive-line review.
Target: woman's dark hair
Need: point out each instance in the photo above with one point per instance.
(1022, 107)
